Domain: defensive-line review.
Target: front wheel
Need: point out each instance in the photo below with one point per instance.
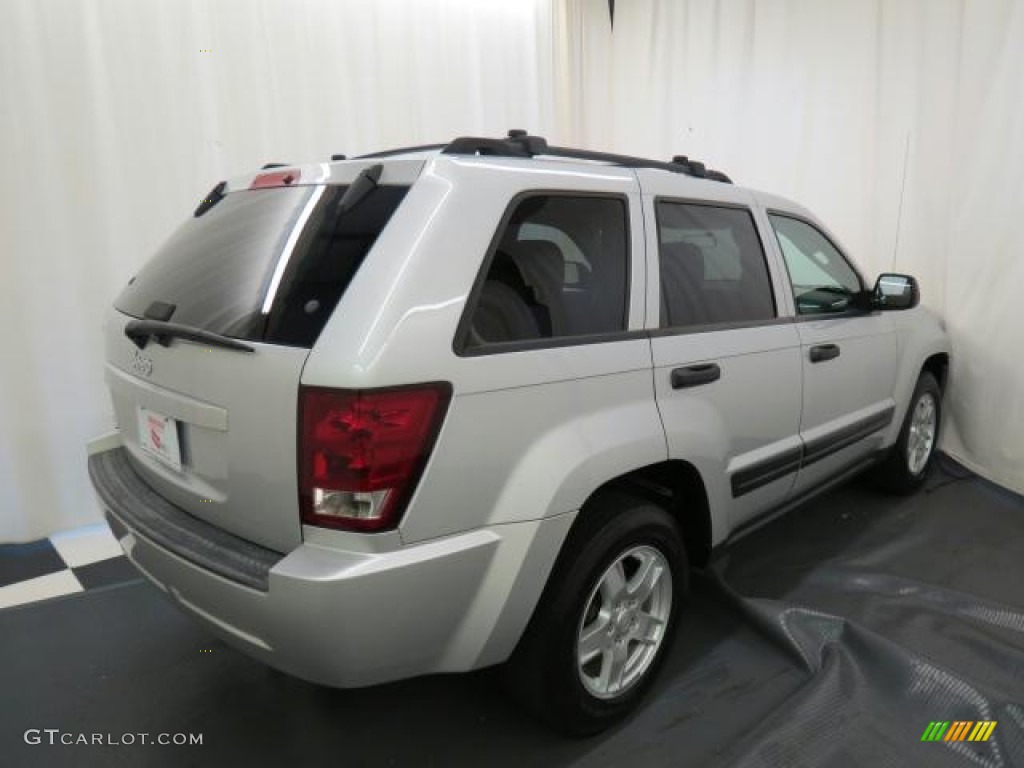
(906, 467)
(606, 618)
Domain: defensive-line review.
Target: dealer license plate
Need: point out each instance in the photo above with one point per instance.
(158, 436)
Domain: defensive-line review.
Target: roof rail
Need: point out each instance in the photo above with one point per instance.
(401, 151)
(520, 144)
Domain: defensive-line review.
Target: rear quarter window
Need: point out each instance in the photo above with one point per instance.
(559, 270)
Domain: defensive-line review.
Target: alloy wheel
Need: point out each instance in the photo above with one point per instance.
(624, 622)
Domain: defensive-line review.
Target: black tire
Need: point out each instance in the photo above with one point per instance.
(543, 672)
(894, 474)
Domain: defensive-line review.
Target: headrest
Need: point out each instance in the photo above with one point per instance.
(531, 251)
(540, 263)
(542, 268)
(683, 251)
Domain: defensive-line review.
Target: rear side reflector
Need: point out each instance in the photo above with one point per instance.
(361, 452)
(276, 179)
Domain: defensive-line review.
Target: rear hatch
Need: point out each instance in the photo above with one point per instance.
(206, 344)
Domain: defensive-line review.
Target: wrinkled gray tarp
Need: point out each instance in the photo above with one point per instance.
(859, 620)
(830, 637)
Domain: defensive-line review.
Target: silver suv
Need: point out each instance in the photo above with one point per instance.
(446, 407)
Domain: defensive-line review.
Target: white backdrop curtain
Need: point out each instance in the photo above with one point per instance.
(858, 110)
(115, 120)
(899, 121)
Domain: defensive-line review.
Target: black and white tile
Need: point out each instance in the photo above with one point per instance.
(65, 563)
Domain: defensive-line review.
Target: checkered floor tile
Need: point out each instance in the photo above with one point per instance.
(65, 563)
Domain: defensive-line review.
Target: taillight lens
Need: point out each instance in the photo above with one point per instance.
(361, 452)
(276, 179)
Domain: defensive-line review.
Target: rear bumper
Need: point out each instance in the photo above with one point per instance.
(139, 508)
(340, 618)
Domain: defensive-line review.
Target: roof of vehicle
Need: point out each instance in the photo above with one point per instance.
(518, 144)
(403, 163)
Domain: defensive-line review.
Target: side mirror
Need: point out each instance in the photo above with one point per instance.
(894, 291)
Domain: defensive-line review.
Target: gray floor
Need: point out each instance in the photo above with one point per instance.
(832, 636)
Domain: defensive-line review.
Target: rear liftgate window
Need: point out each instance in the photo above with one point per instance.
(263, 265)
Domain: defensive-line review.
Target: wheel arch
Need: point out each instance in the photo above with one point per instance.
(938, 366)
(677, 487)
(923, 346)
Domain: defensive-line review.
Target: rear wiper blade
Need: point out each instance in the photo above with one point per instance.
(141, 331)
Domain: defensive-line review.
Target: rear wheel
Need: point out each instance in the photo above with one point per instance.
(906, 467)
(606, 618)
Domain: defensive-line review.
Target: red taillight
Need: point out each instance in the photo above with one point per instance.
(361, 452)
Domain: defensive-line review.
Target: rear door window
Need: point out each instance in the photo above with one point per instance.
(712, 266)
(263, 265)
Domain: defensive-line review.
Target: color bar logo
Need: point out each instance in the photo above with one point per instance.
(959, 730)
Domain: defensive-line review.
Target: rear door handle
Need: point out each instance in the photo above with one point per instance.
(695, 375)
(824, 352)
